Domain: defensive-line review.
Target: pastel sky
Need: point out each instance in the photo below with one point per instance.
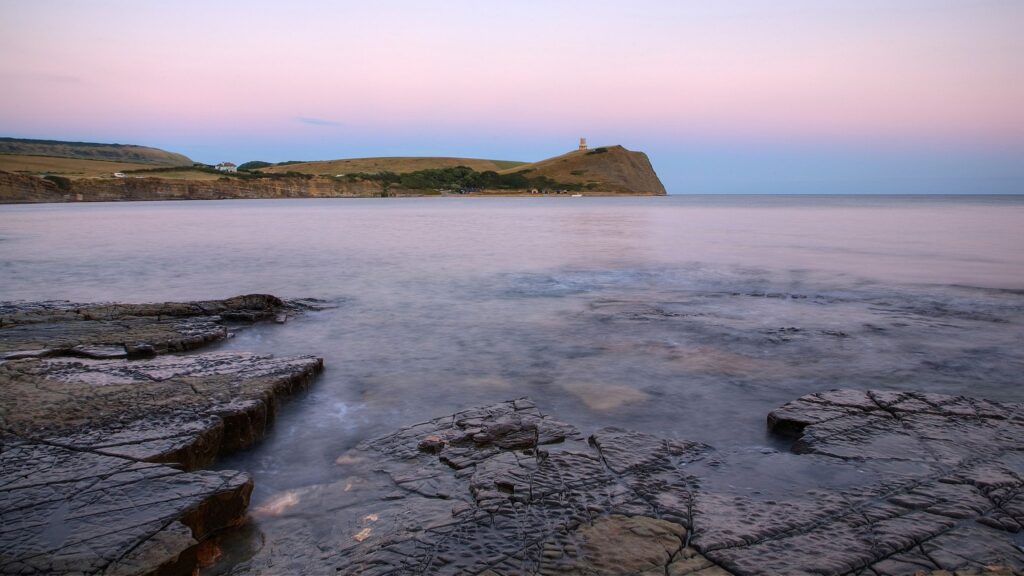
(739, 96)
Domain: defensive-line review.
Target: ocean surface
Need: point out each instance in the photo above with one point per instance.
(685, 316)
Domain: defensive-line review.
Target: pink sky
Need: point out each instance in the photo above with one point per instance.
(270, 78)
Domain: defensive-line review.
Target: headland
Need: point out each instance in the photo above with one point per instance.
(52, 171)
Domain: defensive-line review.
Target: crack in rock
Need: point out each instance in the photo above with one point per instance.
(99, 453)
(503, 489)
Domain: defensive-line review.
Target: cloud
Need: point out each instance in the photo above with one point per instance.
(317, 121)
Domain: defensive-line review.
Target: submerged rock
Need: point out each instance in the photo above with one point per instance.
(956, 504)
(879, 484)
(99, 452)
(500, 489)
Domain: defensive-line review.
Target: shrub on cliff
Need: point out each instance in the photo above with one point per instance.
(254, 165)
(61, 182)
(461, 178)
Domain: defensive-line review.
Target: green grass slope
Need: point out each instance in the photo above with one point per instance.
(128, 153)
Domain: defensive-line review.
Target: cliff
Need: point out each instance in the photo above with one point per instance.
(17, 188)
(608, 169)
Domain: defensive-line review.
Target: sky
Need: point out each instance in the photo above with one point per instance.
(745, 96)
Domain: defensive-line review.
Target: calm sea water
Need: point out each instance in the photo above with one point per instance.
(689, 317)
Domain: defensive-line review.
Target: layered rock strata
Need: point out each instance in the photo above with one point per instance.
(20, 188)
(100, 452)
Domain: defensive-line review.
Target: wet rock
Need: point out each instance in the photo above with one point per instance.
(140, 350)
(947, 467)
(482, 497)
(432, 444)
(73, 511)
(99, 451)
(99, 330)
(625, 450)
(180, 409)
(627, 545)
(99, 352)
(880, 484)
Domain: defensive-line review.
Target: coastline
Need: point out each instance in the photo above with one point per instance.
(24, 189)
(108, 434)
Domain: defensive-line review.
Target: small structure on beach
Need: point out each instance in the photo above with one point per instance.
(226, 167)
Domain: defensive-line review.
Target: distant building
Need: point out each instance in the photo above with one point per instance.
(583, 144)
(226, 167)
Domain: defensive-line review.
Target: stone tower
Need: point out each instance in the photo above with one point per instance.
(583, 144)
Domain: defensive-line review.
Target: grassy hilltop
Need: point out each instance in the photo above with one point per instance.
(603, 169)
(124, 153)
(607, 168)
(396, 164)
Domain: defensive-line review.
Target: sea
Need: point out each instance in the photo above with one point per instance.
(690, 317)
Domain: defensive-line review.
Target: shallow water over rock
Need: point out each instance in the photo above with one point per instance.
(688, 318)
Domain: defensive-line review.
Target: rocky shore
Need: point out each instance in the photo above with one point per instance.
(103, 433)
(107, 429)
(878, 483)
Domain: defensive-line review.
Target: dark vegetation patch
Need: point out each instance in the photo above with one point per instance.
(458, 178)
(254, 165)
(61, 182)
(462, 178)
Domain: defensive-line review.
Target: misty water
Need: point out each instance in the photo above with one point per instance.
(685, 316)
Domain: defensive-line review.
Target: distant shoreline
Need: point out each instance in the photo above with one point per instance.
(52, 171)
(795, 200)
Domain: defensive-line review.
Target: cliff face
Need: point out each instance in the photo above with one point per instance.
(604, 170)
(17, 188)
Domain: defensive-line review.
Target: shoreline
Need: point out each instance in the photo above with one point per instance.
(22, 189)
(98, 391)
(109, 432)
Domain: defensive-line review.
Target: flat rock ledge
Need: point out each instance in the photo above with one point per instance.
(879, 483)
(100, 452)
(111, 331)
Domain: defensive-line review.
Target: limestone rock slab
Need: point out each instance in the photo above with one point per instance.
(99, 449)
(877, 484)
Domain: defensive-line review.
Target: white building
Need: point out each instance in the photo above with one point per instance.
(226, 167)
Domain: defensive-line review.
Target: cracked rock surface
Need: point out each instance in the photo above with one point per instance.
(60, 328)
(876, 484)
(99, 454)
